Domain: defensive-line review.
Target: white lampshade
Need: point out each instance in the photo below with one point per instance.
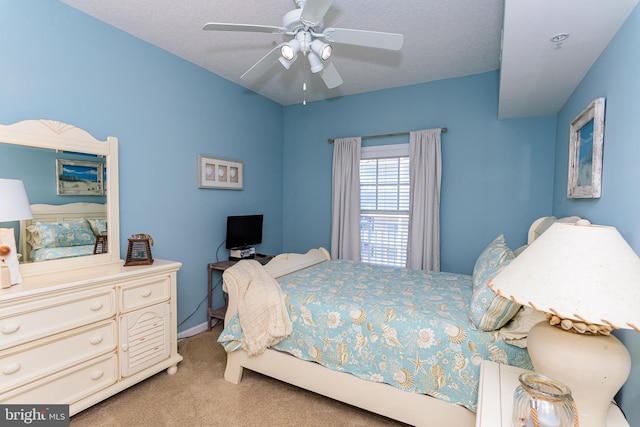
(14, 204)
(577, 271)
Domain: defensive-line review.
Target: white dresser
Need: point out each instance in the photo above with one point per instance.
(80, 336)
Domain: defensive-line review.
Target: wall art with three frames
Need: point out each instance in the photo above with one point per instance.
(219, 173)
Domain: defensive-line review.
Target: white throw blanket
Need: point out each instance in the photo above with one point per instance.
(261, 309)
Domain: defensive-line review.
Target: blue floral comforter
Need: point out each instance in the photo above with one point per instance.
(404, 327)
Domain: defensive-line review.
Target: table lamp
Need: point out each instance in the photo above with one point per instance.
(586, 278)
(14, 206)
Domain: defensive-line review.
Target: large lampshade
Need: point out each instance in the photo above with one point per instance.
(583, 272)
(587, 279)
(14, 204)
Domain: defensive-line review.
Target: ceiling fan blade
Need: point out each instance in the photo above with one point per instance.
(391, 41)
(217, 26)
(313, 12)
(261, 67)
(330, 76)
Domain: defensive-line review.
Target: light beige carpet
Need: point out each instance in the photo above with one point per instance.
(198, 395)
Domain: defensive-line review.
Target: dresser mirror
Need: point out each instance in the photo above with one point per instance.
(37, 152)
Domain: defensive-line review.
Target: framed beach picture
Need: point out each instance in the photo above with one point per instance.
(79, 178)
(585, 152)
(219, 173)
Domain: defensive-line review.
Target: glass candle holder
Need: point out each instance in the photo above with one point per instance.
(540, 401)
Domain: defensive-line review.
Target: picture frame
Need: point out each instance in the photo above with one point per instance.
(214, 172)
(79, 178)
(585, 152)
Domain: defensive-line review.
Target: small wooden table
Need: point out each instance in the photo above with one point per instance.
(221, 266)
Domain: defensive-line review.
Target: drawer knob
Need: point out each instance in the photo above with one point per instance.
(96, 306)
(10, 328)
(145, 293)
(97, 339)
(97, 375)
(11, 369)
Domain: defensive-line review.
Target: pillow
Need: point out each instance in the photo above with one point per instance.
(516, 330)
(489, 311)
(493, 255)
(65, 234)
(98, 226)
(34, 238)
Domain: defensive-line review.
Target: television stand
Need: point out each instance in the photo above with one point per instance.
(221, 266)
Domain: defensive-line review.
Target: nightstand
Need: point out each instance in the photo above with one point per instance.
(221, 266)
(495, 397)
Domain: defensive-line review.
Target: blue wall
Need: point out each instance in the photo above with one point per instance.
(615, 76)
(60, 64)
(497, 175)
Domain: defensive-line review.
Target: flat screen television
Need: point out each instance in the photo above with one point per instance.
(244, 231)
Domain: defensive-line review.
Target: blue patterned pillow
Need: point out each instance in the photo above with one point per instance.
(489, 311)
(98, 226)
(65, 234)
(493, 255)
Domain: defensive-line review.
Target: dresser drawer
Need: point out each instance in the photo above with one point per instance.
(55, 314)
(68, 386)
(141, 293)
(24, 363)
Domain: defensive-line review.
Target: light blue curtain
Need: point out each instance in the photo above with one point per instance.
(425, 165)
(345, 206)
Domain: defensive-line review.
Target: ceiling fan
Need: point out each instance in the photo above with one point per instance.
(309, 37)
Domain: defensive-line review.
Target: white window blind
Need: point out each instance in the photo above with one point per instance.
(384, 205)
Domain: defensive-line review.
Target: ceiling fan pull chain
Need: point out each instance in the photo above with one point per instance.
(304, 93)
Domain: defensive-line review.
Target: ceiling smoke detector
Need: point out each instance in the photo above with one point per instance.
(558, 38)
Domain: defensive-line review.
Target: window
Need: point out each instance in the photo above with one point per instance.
(384, 204)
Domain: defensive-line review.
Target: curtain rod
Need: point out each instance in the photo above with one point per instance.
(330, 140)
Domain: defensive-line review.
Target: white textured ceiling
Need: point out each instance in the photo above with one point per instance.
(442, 39)
(538, 76)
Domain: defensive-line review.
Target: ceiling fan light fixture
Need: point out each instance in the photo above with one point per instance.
(290, 50)
(321, 49)
(315, 62)
(286, 63)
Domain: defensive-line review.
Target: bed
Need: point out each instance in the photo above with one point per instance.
(371, 346)
(62, 231)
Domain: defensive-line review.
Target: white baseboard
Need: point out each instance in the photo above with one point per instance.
(194, 331)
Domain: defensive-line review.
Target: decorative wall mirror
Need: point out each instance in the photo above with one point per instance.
(33, 151)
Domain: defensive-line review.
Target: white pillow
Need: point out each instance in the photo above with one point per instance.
(516, 330)
(34, 238)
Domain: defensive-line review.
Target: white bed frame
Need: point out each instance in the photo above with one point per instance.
(58, 213)
(383, 399)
